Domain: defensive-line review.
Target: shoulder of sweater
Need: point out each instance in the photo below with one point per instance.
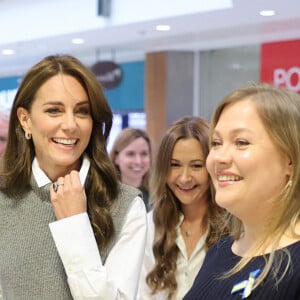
(126, 196)
(129, 190)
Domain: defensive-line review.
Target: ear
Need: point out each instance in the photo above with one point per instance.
(116, 161)
(24, 118)
(290, 167)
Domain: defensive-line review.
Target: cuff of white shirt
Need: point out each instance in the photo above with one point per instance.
(75, 242)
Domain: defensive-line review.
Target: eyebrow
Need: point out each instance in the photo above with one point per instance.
(61, 103)
(193, 160)
(235, 131)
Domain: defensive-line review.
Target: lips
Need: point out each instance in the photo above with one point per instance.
(186, 188)
(137, 169)
(68, 142)
(228, 178)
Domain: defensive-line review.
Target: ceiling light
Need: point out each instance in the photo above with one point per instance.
(163, 27)
(78, 41)
(235, 66)
(8, 51)
(267, 13)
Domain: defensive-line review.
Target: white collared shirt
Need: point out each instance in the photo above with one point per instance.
(88, 278)
(187, 268)
(42, 179)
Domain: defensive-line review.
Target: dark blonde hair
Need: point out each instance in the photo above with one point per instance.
(279, 111)
(123, 139)
(102, 185)
(167, 208)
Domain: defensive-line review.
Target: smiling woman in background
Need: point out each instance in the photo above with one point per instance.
(131, 155)
(185, 220)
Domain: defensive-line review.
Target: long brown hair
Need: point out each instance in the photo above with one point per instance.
(167, 208)
(102, 185)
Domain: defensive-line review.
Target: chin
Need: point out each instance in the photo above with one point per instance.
(224, 202)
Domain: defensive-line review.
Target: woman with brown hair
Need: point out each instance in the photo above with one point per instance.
(131, 156)
(185, 220)
(66, 223)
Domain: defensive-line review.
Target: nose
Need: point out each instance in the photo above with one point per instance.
(185, 175)
(221, 155)
(137, 159)
(69, 122)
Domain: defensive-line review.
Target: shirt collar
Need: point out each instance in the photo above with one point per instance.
(42, 179)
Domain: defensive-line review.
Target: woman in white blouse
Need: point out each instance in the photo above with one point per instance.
(185, 220)
(56, 173)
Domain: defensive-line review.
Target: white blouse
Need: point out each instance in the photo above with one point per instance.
(187, 268)
(88, 277)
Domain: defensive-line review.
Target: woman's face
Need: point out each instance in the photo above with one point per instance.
(188, 177)
(134, 161)
(247, 168)
(60, 123)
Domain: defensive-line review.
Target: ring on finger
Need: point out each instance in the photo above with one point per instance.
(56, 186)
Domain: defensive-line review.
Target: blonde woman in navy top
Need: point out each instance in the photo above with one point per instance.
(254, 162)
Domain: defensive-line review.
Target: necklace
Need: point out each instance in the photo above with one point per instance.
(188, 233)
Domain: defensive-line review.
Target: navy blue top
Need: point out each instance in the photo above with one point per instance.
(220, 258)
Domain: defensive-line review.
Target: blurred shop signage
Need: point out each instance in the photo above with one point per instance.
(289, 78)
(280, 64)
(108, 73)
(8, 91)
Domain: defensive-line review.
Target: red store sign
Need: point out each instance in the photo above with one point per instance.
(280, 64)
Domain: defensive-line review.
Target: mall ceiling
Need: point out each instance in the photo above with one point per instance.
(35, 28)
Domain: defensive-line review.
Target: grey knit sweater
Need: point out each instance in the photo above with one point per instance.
(30, 267)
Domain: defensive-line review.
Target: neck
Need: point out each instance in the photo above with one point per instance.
(250, 238)
(132, 182)
(194, 213)
(253, 234)
(193, 222)
(54, 173)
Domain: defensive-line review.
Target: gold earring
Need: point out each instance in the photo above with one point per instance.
(27, 135)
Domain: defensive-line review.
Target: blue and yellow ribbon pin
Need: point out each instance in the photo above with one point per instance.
(246, 285)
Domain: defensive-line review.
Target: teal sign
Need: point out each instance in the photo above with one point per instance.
(8, 90)
(128, 96)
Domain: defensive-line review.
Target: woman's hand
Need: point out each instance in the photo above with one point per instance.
(69, 199)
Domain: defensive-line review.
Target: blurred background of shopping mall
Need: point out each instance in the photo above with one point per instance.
(166, 58)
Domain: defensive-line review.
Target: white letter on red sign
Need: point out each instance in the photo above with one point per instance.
(279, 77)
(284, 78)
